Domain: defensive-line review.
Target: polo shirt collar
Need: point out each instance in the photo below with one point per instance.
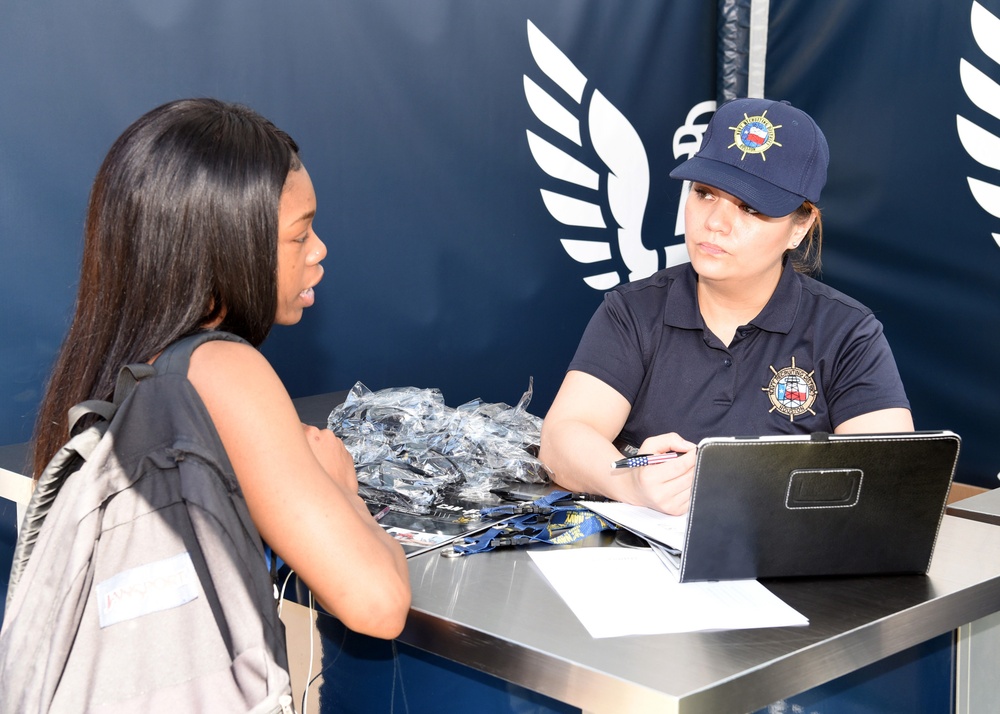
(681, 309)
(779, 313)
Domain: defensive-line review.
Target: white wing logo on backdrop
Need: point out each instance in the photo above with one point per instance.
(983, 145)
(625, 169)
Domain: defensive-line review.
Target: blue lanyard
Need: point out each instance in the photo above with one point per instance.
(553, 519)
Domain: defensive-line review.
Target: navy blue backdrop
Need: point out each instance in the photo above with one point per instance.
(903, 232)
(446, 266)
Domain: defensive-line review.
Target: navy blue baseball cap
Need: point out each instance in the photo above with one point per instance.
(766, 153)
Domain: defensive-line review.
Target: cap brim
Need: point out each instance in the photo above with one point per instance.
(760, 195)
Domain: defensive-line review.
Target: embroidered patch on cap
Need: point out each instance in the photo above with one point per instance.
(792, 391)
(149, 588)
(754, 135)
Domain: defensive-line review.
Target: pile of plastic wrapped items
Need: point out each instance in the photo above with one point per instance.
(409, 445)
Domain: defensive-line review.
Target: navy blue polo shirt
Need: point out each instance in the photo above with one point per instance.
(812, 359)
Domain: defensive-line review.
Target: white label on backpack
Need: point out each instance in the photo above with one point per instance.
(146, 589)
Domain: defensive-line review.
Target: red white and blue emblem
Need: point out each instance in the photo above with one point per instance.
(754, 135)
(792, 391)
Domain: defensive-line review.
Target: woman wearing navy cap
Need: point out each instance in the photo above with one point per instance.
(740, 341)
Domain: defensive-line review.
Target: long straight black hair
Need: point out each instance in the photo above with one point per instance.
(181, 230)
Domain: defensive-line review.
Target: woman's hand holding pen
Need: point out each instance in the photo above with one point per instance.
(665, 486)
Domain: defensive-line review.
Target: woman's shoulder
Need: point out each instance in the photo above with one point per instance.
(222, 354)
(246, 400)
(661, 280)
(827, 297)
(653, 290)
(667, 294)
(232, 371)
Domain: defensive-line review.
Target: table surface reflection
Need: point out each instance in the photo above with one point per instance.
(497, 613)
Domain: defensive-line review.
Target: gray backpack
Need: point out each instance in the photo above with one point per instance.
(139, 582)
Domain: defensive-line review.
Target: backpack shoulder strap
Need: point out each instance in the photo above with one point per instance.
(176, 358)
(70, 457)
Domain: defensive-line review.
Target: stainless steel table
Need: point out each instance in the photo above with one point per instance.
(315, 409)
(978, 650)
(981, 507)
(496, 613)
(14, 457)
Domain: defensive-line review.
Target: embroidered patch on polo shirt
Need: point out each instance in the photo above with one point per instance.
(792, 391)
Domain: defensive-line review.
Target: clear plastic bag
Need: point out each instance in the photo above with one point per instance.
(408, 442)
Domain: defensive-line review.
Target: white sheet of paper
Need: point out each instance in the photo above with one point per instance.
(627, 591)
(669, 530)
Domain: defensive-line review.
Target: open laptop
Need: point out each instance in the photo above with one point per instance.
(825, 504)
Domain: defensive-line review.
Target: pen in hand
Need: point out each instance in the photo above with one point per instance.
(634, 462)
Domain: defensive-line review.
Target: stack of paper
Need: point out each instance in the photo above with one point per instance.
(627, 591)
(634, 594)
